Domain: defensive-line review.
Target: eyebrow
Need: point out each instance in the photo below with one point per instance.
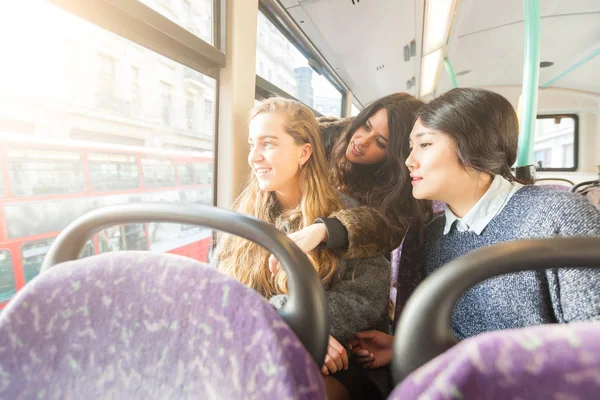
(368, 123)
(264, 137)
(419, 134)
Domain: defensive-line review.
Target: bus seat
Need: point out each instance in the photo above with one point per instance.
(141, 325)
(555, 183)
(438, 207)
(540, 362)
(556, 186)
(544, 361)
(406, 274)
(590, 190)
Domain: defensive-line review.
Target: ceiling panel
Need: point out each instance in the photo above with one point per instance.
(363, 37)
(495, 56)
(486, 14)
(487, 38)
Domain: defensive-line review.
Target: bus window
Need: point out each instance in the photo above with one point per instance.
(186, 174)
(204, 173)
(554, 142)
(110, 101)
(43, 172)
(2, 190)
(33, 254)
(123, 237)
(7, 278)
(290, 71)
(158, 173)
(113, 172)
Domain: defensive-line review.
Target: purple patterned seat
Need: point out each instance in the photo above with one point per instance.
(137, 325)
(405, 275)
(542, 362)
(438, 207)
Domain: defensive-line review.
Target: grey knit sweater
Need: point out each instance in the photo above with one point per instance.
(356, 301)
(530, 297)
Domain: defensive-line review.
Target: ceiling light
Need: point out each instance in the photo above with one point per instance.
(438, 16)
(429, 71)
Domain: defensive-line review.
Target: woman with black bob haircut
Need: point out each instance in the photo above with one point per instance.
(463, 146)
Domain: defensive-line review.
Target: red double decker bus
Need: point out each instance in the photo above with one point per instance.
(45, 185)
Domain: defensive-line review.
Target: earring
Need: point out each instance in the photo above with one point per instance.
(301, 166)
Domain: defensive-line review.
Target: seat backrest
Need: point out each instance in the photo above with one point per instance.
(542, 362)
(406, 274)
(556, 186)
(141, 325)
(555, 183)
(592, 194)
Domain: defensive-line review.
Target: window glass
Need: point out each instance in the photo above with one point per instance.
(554, 142)
(2, 187)
(164, 236)
(193, 15)
(158, 173)
(204, 173)
(113, 172)
(280, 62)
(123, 237)
(186, 174)
(33, 253)
(189, 114)
(102, 115)
(43, 172)
(7, 277)
(165, 102)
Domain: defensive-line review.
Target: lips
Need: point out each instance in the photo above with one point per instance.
(262, 171)
(416, 179)
(355, 150)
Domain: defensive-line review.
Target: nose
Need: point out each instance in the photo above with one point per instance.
(255, 155)
(411, 161)
(362, 141)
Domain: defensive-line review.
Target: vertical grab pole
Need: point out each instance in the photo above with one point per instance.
(450, 72)
(531, 76)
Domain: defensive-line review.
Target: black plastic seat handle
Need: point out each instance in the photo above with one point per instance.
(306, 309)
(424, 330)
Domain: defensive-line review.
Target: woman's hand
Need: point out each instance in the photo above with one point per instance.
(307, 239)
(336, 358)
(372, 349)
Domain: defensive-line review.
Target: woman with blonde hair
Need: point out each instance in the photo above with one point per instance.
(288, 188)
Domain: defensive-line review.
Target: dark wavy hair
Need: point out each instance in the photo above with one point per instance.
(483, 124)
(386, 186)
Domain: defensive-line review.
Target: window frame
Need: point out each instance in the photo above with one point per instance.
(575, 118)
(141, 24)
(282, 21)
(265, 89)
(287, 26)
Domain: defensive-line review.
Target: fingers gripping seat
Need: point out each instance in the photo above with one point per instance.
(137, 325)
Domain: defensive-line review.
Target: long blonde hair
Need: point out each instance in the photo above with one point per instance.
(247, 261)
